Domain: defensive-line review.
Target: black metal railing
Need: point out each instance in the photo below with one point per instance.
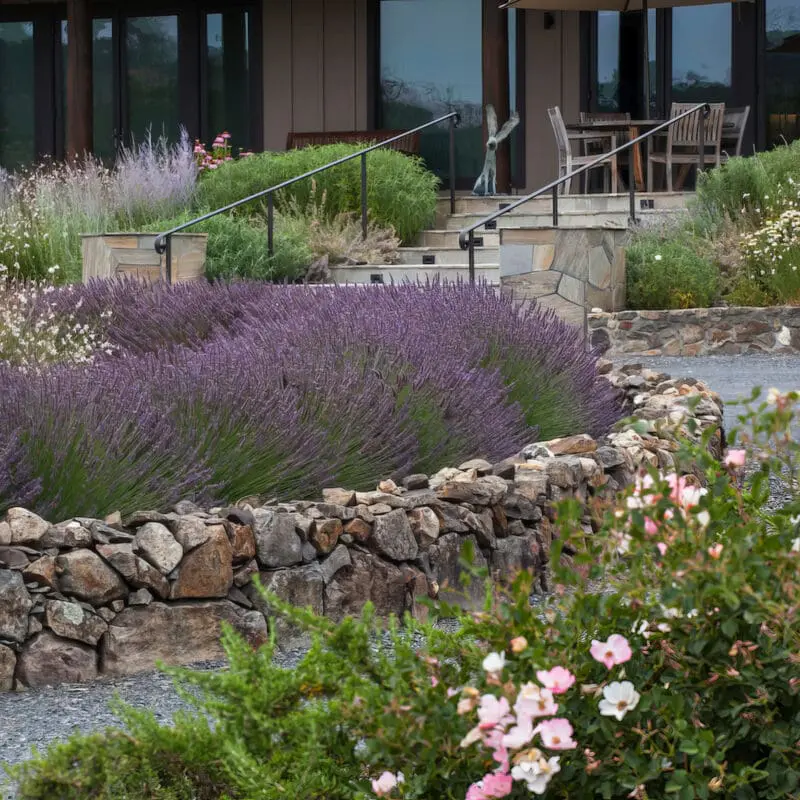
(163, 243)
(466, 238)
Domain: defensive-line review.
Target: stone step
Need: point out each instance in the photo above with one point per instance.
(446, 238)
(401, 273)
(445, 256)
(466, 204)
(566, 219)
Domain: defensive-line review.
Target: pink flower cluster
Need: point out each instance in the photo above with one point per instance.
(219, 153)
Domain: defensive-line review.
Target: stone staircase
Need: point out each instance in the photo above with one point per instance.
(437, 254)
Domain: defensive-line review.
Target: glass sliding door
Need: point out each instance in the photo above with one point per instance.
(152, 92)
(431, 63)
(17, 109)
(227, 68)
(702, 54)
(782, 68)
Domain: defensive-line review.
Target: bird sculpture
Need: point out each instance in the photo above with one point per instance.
(487, 180)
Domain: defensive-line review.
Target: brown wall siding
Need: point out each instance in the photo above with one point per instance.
(315, 67)
(552, 79)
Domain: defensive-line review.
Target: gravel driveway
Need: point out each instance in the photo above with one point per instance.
(35, 718)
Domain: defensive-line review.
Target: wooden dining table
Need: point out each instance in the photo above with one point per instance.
(633, 128)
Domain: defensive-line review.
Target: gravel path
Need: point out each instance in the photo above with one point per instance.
(35, 718)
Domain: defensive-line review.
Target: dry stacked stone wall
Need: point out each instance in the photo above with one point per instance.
(84, 598)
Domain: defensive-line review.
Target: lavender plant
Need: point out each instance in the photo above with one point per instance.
(280, 391)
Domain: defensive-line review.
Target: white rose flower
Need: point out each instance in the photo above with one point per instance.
(618, 699)
(494, 663)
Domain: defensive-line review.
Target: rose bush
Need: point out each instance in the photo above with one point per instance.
(665, 665)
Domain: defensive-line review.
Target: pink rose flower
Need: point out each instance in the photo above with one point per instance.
(557, 680)
(715, 551)
(615, 651)
(490, 786)
(493, 712)
(662, 548)
(556, 734)
(519, 735)
(735, 458)
(533, 701)
(650, 527)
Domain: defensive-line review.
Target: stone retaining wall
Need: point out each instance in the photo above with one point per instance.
(697, 331)
(85, 598)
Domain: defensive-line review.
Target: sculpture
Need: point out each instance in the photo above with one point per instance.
(487, 180)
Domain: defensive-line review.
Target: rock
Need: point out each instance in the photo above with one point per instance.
(236, 595)
(13, 558)
(207, 571)
(189, 532)
(500, 519)
(302, 587)
(143, 517)
(609, 457)
(71, 621)
(34, 626)
(277, 542)
(531, 485)
(141, 597)
(450, 518)
(564, 472)
(339, 497)
(373, 498)
(424, 525)
(338, 559)
(332, 510)
(15, 605)
(445, 560)
(238, 516)
(363, 512)
(380, 508)
(517, 506)
(325, 533)
(393, 537)
(47, 660)
(484, 529)
(536, 452)
(359, 530)
(114, 518)
(416, 481)
(8, 663)
(26, 527)
(309, 553)
(368, 579)
(5, 535)
(572, 445)
(443, 476)
(67, 534)
(136, 571)
(480, 465)
(186, 507)
(105, 534)
(179, 633)
(506, 468)
(421, 497)
(159, 547)
(243, 543)
(244, 575)
(513, 555)
(106, 614)
(482, 492)
(388, 486)
(42, 571)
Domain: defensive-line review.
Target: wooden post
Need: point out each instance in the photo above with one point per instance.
(496, 81)
(79, 79)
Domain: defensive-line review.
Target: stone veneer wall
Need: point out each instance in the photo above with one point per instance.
(697, 331)
(85, 598)
(568, 269)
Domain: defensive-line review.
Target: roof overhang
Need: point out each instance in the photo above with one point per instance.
(603, 5)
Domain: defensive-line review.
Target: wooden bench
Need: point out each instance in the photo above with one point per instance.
(409, 144)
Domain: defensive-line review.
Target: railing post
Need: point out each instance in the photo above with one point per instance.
(364, 196)
(555, 206)
(701, 157)
(452, 165)
(471, 251)
(270, 226)
(168, 260)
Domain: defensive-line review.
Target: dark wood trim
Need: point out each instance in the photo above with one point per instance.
(256, 66)
(663, 61)
(47, 70)
(80, 112)
(191, 69)
(373, 64)
(496, 79)
(518, 137)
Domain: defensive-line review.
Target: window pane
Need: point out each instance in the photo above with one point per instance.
(607, 89)
(17, 124)
(783, 70)
(228, 76)
(702, 54)
(430, 64)
(151, 45)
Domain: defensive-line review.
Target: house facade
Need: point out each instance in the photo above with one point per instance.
(83, 74)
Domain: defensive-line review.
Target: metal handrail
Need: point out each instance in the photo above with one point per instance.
(163, 242)
(466, 238)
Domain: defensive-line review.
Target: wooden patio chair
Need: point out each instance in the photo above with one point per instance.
(683, 141)
(568, 161)
(734, 124)
(593, 147)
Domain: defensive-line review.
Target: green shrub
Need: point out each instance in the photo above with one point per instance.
(669, 270)
(401, 192)
(697, 696)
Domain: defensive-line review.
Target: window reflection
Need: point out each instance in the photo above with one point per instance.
(783, 71)
(228, 75)
(702, 54)
(17, 122)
